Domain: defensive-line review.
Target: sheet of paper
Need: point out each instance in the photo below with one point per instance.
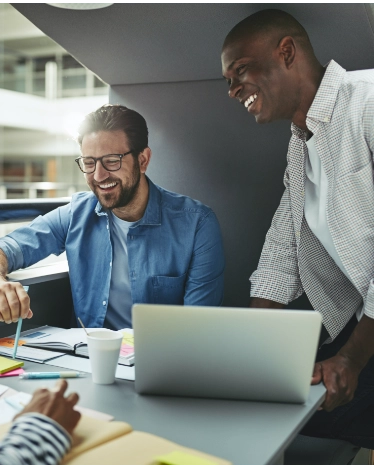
(38, 333)
(11, 405)
(181, 458)
(69, 336)
(83, 364)
(3, 389)
(31, 354)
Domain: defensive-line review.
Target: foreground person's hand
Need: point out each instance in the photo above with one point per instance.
(54, 405)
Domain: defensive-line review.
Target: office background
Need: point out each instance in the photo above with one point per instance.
(164, 61)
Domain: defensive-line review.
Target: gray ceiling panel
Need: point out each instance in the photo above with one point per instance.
(144, 43)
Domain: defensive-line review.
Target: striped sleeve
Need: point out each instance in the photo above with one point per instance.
(34, 439)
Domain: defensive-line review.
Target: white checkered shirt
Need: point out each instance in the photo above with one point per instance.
(293, 260)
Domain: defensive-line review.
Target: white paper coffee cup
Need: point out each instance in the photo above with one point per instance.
(103, 349)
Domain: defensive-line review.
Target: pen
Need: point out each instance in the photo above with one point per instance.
(18, 332)
(52, 375)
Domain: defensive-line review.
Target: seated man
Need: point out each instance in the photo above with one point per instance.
(128, 241)
(40, 434)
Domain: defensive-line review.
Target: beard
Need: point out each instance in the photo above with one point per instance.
(127, 193)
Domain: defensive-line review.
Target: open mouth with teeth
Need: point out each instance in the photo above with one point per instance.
(108, 186)
(250, 100)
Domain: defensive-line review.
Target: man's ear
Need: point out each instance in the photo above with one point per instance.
(287, 49)
(144, 159)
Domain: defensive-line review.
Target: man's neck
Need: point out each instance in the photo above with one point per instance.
(134, 211)
(310, 82)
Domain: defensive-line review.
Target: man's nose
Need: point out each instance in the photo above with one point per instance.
(234, 90)
(100, 173)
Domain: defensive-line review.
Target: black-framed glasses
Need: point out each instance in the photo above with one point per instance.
(110, 162)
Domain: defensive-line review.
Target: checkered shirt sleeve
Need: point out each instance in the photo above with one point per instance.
(277, 276)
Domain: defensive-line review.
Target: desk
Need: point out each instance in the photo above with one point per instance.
(245, 433)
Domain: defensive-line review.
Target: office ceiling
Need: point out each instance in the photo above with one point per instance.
(148, 43)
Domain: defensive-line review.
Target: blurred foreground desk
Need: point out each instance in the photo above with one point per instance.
(245, 433)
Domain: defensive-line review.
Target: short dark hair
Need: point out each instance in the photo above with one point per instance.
(265, 22)
(117, 118)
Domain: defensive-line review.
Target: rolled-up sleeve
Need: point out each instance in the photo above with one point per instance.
(277, 276)
(13, 253)
(44, 236)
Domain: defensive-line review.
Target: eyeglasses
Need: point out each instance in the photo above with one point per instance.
(111, 162)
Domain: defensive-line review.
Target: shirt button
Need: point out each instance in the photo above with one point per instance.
(110, 264)
(326, 120)
(104, 302)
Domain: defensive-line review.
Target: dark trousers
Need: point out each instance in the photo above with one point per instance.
(353, 422)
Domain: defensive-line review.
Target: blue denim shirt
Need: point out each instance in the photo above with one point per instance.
(175, 252)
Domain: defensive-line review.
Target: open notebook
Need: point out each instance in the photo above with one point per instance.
(96, 442)
(73, 341)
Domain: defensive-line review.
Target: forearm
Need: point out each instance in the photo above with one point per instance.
(257, 302)
(34, 439)
(360, 346)
(3, 265)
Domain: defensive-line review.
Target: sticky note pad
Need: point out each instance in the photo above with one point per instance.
(7, 364)
(16, 372)
(181, 458)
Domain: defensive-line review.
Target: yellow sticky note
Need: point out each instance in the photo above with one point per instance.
(181, 458)
(7, 364)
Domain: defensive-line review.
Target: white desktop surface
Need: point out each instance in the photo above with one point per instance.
(245, 433)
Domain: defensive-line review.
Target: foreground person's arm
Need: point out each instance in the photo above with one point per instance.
(40, 434)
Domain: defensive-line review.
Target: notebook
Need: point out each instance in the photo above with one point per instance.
(225, 353)
(96, 442)
(74, 341)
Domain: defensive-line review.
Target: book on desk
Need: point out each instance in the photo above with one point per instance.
(71, 341)
(96, 442)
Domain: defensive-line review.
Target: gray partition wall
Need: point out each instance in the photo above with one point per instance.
(164, 61)
(205, 145)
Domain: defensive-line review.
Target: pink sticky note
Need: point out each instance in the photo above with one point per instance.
(16, 372)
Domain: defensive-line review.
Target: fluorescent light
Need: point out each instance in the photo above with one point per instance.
(80, 6)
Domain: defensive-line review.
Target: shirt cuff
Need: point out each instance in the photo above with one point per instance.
(278, 287)
(13, 253)
(369, 302)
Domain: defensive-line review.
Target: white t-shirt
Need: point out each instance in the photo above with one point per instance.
(120, 301)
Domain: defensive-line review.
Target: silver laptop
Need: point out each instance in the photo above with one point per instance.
(225, 353)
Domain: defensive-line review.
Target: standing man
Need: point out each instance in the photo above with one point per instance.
(321, 240)
(128, 241)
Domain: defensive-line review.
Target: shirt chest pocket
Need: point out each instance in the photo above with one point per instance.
(169, 289)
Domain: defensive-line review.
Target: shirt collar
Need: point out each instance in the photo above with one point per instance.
(152, 214)
(324, 100)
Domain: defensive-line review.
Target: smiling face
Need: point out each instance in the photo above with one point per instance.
(256, 71)
(114, 189)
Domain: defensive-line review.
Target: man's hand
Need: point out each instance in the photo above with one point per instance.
(14, 302)
(340, 377)
(53, 404)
